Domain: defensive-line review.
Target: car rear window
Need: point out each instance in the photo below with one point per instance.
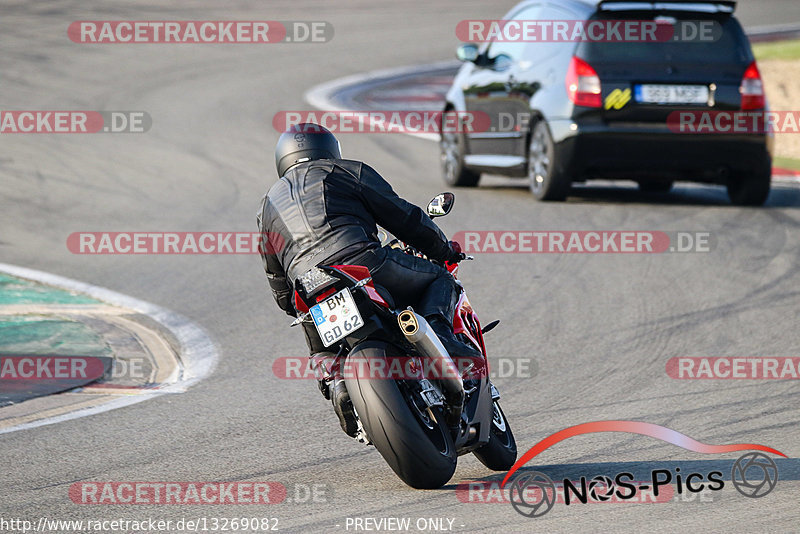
(730, 45)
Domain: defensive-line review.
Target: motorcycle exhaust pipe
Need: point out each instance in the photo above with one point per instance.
(419, 333)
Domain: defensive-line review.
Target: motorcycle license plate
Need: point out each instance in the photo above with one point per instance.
(336, 316)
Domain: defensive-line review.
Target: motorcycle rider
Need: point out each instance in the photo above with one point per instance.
(323, 211)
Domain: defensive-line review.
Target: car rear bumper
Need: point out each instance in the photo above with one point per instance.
(654, 152)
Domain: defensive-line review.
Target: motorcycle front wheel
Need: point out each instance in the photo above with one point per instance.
(501, 451)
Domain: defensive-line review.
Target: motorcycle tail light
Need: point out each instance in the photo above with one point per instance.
(315, 278)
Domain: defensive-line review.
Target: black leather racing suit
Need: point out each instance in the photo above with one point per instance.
(324, 212)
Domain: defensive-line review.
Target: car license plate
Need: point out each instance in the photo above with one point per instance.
(336, 316)
(672, 94)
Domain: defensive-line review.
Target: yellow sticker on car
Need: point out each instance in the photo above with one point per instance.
(618, 98)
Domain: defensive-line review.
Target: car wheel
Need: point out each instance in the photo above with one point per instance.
(751, 189)
(545, 181)
(453, 147)
(655, 187)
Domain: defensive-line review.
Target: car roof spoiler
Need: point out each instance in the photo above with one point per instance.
(708, 6)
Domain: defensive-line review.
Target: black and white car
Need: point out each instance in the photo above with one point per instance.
(600, 109)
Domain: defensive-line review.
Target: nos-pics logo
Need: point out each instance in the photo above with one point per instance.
(533, 493)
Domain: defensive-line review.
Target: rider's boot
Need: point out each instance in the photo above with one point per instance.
(459, 352)
(323, 364)
(343, 407)
(332, 386)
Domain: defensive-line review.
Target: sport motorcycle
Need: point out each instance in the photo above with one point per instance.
(406, 390)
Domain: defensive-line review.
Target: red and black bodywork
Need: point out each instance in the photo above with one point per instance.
(417, 403)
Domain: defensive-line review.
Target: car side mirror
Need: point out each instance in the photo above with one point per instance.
(467, 52)
(501, 62)
(441, 204)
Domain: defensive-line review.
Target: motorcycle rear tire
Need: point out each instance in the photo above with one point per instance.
(422, 455)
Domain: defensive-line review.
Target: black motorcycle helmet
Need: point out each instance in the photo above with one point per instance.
(305, 142)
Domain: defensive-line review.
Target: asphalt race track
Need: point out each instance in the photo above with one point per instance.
(599, 328)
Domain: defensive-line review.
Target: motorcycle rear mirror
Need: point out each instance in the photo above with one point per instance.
(441, 205)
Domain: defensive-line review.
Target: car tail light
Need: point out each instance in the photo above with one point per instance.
(583, 84)
(752, 89)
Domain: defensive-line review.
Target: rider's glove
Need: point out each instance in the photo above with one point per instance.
(454, 255)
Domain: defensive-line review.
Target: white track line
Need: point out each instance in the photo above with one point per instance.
(319, 96)
(786, 178)
(198, 353)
